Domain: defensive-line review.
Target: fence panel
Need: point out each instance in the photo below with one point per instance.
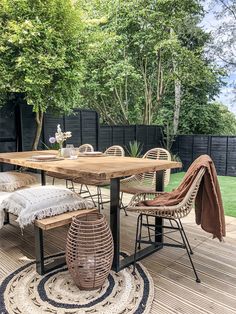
(186, 150)
(200, 145)
(218, 153)
(222, 150)
(105, 137)
(8, 133)
(17, 129)
(129, 134)
(50, 126)
(118, 135)
(89, 128)
(231, 157)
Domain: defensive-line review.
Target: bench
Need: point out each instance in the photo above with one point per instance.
(46, 224)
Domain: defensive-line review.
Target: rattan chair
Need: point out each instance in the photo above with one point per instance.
(114, 150)
(145, 182)
(171, 213)
(81, 149)
(84, 148)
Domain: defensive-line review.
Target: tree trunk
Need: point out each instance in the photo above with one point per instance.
(177, 106)
(39, 125)
(147, 114)
(178, 94)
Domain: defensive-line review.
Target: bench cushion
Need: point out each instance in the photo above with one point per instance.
(40, 202)
(12, 180)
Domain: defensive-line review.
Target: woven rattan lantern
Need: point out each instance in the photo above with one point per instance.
(89, 250)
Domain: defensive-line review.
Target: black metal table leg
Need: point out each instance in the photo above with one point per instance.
(43, 177)
(158, 220)
(115, 221)
(115, 226)
(6, 218)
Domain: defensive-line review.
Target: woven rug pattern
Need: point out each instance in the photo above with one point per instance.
(26, 292)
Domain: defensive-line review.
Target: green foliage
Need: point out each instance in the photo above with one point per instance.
(213, 118)
(40, 52)
(54, 146)
(138, 50)
(121, 58)
(134, 149)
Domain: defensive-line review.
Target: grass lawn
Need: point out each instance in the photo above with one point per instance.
(227, 186)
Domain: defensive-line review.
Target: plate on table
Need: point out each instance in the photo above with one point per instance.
(45, 158)
(91, 154)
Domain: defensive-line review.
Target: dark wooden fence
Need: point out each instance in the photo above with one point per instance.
(222, 150)
(17, 130)
(148, 136)
(83, 124)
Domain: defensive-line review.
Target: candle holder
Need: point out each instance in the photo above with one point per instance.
(89, 251)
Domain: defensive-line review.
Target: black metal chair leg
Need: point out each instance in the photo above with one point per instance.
(53, 181)
(122, 206)
(81, 191)
(140, 231)
(100, 200)
(100, 190)
(90, 195)
(149, 233)
(189, 255)
(137, 238)
(187, 241)
(81, 188)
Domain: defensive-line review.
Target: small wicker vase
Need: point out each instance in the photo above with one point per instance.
(89, 251)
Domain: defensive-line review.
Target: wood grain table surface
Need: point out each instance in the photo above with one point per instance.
(100, 168)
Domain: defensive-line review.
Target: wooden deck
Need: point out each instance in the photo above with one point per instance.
(175, 288)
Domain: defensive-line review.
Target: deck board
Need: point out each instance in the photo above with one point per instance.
(175, 288)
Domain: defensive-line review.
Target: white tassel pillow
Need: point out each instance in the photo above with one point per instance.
(12, 180)
(40, 202)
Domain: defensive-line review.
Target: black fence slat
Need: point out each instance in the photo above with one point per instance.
(222, 150)
(17, 130)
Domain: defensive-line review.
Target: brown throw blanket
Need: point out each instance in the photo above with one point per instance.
(208, 204)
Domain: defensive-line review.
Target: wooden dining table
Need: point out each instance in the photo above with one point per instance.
(102, 168)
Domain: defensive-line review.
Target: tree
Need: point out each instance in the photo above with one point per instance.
(224, 34)
(222, 49)
(146, 56)
(216, 119)
(41, 48)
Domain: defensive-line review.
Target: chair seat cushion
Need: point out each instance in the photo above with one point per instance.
(40, 202)
(12, 180)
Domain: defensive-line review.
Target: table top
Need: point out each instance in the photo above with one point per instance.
(100, 168)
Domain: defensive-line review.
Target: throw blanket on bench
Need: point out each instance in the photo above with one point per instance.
(208, 204)
(40, 202)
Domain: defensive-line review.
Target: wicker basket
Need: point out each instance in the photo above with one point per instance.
(89, 250)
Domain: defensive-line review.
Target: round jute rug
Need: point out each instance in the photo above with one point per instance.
(26, 292)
